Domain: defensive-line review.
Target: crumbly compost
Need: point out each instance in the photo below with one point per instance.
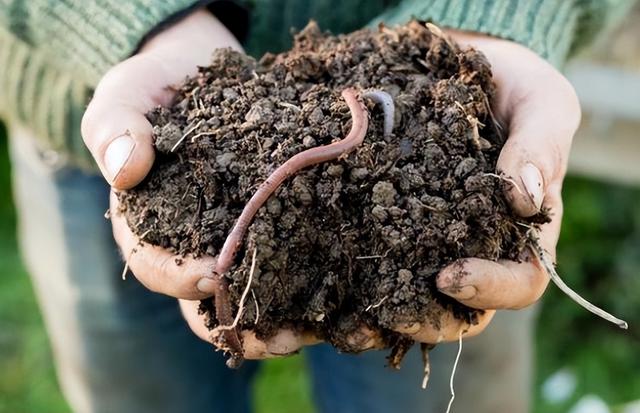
(352, 242)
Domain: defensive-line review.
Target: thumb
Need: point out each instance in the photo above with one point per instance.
(120, 139)
(114, 126)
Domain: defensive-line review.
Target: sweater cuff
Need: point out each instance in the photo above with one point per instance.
(547, 27)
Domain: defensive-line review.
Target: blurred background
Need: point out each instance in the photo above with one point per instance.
(584, 365)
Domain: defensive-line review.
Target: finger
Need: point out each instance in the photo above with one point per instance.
(114, 126)
(364, 339)
(505, 284)
(485, 284)
(283, 343)
(120, 141)
(160, 270)
(542, 112)
(445, 328)
(540, 133)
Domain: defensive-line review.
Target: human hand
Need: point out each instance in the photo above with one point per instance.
(119, 136)
(161, 271)
(114, 126)
(541, 113)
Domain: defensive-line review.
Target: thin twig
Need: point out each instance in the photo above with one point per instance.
(426, 362)
(133, 251)
(427, 369)
(506, 179)
(378, 304)
(187, 133)
(194, 96)
(474, 122)
(126, 264)
(201, 134)
(289, 105)
(453, 372)
(522, 224)
(547, 263)
(255, 301)
(369, 257)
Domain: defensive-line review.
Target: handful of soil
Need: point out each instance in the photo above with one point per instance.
(349, 242)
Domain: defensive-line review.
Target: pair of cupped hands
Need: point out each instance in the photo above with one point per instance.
(535, 103)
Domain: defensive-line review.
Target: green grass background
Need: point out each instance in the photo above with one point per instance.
(599, 254)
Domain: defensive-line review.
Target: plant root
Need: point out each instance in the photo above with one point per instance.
(378, 304)
(309, 157)
(187, 133)
(425, 349)
(549, 267)
(511, 181)
(125, 270)
(453, 372)
(255, 302)
(216, 331)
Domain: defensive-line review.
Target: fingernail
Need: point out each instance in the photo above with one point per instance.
(117, 154)
(207, 285)
(464, 292)
(532, 180)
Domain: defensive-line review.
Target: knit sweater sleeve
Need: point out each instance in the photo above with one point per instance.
(555, 29)
(86, 37)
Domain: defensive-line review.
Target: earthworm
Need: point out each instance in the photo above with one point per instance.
(386, 101)
(313, 156)
(299, 161)
(224, 316)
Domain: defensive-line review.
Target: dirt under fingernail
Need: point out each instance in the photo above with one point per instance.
(349, 242)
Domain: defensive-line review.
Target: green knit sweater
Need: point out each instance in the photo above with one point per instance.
(53, 52)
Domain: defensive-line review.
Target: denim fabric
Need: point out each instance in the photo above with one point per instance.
(120, 348)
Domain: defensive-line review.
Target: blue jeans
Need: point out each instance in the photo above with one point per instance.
(120, 348)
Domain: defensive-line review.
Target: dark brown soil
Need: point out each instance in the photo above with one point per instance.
(349, 242)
